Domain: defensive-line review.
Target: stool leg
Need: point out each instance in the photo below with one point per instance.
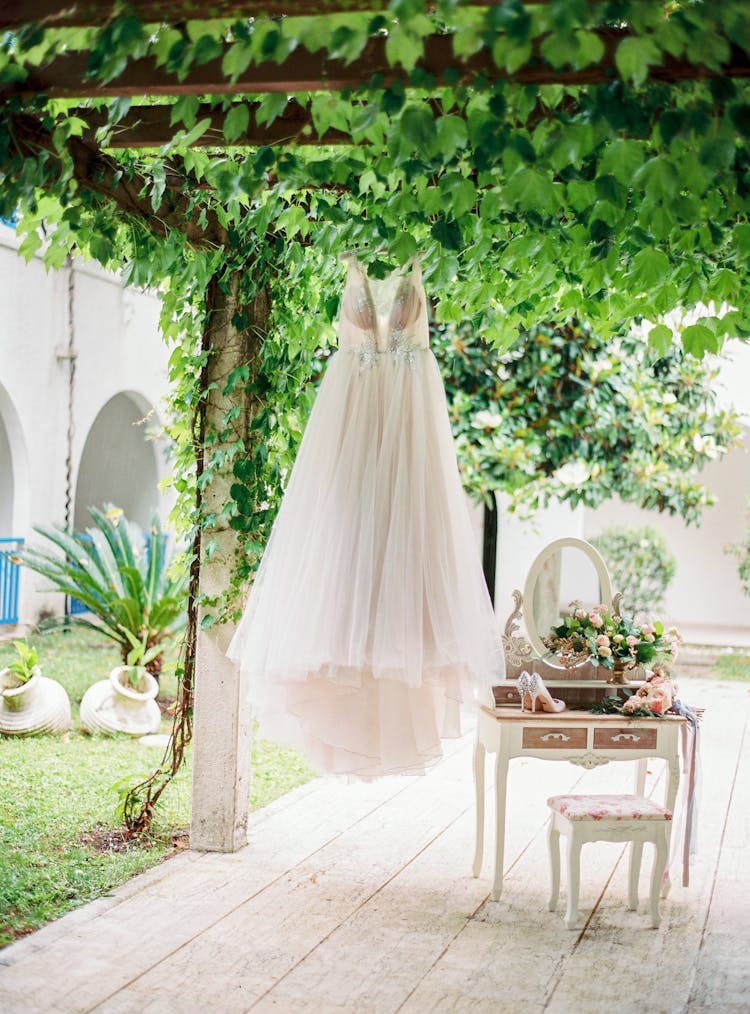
(634, 872)
(553, 845)
(660, 862)
(574, 878)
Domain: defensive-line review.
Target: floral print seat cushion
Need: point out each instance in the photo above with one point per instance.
(605, 807)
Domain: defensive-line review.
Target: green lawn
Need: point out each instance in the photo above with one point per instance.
(731, 667)
(57, 790)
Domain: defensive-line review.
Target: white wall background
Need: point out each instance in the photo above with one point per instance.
(118, 355)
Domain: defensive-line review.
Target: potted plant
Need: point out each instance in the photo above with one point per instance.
(29, 702)
(124, 578)
(125, 702)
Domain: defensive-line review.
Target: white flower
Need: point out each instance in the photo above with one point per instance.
(486, 420)
(574, 473)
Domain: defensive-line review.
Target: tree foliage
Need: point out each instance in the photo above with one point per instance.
(565, 415)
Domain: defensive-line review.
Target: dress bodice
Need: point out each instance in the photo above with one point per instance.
(382, 316)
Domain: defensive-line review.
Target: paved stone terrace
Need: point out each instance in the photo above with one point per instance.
(358, 898)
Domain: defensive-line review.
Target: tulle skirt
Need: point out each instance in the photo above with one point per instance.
(369, 623)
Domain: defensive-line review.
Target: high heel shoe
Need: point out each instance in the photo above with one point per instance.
(531, 685)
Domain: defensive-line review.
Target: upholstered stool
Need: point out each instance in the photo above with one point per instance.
(607, 818)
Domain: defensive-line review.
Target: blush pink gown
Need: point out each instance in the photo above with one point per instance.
(369, 623)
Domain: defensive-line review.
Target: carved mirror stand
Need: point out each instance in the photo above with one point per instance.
(565, 570)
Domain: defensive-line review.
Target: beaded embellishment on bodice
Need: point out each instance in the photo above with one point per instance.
(383, 317)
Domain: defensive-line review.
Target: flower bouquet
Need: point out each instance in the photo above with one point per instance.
(610, 640)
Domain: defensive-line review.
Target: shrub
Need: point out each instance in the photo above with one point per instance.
(124, 581)
(640, 565)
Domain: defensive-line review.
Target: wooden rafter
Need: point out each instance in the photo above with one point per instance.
(101, 175)
(151, 127)
(79, 13)
(66, 77)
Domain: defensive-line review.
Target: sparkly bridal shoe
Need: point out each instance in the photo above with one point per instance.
(531, 686)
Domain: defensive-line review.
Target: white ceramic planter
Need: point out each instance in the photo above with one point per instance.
(37, 707)
(114, 705)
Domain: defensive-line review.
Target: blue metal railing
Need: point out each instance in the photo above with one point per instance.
(9, 574)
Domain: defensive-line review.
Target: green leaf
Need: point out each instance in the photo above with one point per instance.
(590, 49)
(185, 110)
(532, 190)
(403, 47)
(236, 121)
(418, 127)
(697, 339)
(447, 234)
(271, 106)
(461, 193)
(634, 56)
(649, 268)
(660, 340)
(622, 159)
(236, 60)
(452, 135)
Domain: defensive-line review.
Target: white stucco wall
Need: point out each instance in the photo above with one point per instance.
(118, 352)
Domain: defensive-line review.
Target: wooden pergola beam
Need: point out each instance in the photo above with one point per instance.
(80, 13)
(103, 176)
(151, 127)
(66, 76)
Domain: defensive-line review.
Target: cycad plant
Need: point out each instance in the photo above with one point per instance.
(126, 584)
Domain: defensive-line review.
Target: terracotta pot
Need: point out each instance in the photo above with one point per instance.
(115, 705)
(39, 706)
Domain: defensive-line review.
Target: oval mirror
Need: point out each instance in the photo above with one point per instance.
(565, 570)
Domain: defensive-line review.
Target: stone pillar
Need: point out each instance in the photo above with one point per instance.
(222, 726)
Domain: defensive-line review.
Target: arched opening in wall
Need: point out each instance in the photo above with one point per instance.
(119, 462)
(14, 506)
(6, 483)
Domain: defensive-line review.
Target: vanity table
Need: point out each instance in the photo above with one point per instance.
(564, 570)
(575, 736)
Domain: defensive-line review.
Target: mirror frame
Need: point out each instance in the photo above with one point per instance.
(533, 575)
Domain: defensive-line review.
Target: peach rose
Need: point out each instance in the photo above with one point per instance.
(602, 639)
(595, 620)
(631, 640)
(605, 652)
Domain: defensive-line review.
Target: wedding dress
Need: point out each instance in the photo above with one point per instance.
(369, 622)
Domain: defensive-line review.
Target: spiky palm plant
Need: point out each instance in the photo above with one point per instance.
(126, 586)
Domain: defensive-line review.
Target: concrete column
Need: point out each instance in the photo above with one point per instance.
(222, 726)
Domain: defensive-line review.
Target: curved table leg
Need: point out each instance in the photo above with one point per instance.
(501, 785)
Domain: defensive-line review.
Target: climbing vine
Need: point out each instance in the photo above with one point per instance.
(557, 167)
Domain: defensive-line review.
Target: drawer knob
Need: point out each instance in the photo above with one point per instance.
(631, 736)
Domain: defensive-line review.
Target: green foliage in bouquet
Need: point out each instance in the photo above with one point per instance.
(640, 565)
(608, 639)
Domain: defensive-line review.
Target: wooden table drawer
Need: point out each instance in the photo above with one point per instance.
(624, 738)
(554, 738)
(506, 695)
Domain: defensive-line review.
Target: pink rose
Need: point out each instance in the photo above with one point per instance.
(601, 608)
(595, 620)
(602, 639)
(647, 628)
(580, 614)
(631, 640)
